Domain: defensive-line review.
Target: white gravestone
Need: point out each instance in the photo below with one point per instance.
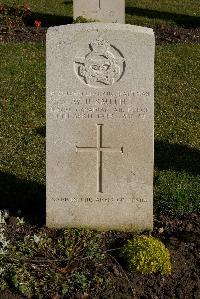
(107, 11)
(100, 91)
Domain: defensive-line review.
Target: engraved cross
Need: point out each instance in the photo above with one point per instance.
(99, 149)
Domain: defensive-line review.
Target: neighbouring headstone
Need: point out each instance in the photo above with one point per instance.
(107, 11)
(100, 86)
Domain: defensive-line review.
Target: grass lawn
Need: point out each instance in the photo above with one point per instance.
(138, 12)
(23, 110)
(177, 116)
(163, 12)
(177, 123)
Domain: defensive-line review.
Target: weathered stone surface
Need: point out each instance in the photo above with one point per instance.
(107, 11)
(100, 85)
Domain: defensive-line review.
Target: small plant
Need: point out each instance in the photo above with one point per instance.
(147, 255)
(41, 262)
(82, 19)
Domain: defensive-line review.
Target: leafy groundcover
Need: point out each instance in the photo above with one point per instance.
(43, 263)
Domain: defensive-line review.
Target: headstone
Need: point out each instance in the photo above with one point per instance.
(107, 11)
(100, 85)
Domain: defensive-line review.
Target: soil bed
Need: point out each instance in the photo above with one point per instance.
(163, 35)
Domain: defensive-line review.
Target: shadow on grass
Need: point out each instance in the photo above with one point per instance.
(177, 157)
(40, 131)
(25, 196)
(179, 19)
(69, 2)
(48, 20)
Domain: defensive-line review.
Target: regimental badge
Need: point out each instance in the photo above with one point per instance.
(103, 65)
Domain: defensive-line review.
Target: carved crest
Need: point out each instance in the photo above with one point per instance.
(103, 65)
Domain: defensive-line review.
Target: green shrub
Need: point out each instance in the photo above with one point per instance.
(81, 19)
(147, 255)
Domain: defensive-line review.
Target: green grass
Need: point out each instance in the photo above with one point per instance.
(177, 117)
(138, 12)
(177, 122)
(22, 109)
(177, 83)
(58, 7)
(163, 12)
(22, 130)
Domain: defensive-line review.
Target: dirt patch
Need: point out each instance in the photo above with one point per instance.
(163, 35)
(177, 35)
(23, 34)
